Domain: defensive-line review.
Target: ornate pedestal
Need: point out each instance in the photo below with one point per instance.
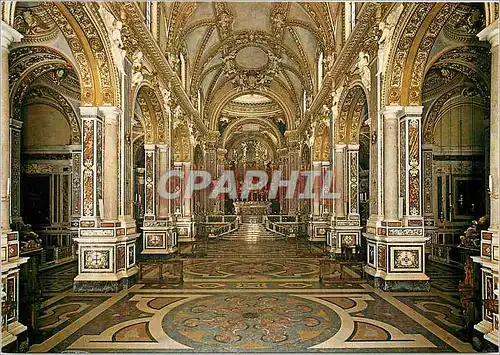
(106, 257)
(159, 237)
(396, 256)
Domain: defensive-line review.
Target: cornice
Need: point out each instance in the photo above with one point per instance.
(346, 57)
(149, 46)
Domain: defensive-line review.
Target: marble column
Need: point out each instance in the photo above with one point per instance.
(352, 184)
(9, 36)
(317, 193)
(188, 210)
(339, 180)
(76, 168)
(391, 201)
(410, 167)
(150, 182)
(430, 213)
(489, 257)
(110, 162)
(293, 165)
(163, 167)
(213, 205)
(92, 159)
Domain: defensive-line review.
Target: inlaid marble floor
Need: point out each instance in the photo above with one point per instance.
(288, 310)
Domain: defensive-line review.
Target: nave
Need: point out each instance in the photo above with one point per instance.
(264, 297)
(273, 176)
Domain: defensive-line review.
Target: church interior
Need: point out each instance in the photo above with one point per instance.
(394, 104)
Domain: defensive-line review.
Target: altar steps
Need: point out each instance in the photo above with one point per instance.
(251, 232)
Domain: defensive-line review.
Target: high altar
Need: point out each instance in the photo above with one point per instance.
(254, 208)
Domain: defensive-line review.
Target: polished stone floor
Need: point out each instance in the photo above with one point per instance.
(253, 304)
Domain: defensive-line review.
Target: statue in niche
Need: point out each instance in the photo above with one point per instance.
(114, 28)
(364, 70)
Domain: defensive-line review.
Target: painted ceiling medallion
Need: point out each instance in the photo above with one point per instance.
(251, 58)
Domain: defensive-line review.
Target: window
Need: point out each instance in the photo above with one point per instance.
(350, 17)
(183, 69)
(320, 69)
(353, 15)
(147, 13)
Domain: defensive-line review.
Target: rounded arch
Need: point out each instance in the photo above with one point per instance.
(410, 51)
(235, 140)
(91, 50)
(154, 117)
(353, 107)
(219, 103)
(45, 95)
(29, 63)
(228, 131)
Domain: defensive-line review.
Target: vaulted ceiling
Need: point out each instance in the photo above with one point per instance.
(251, 60)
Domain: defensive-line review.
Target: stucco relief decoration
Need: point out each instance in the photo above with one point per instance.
(364, 70)
(424, 49)
(81, 13)
(82, 63)
(387, 28)
(224, 19)
(114, 28)
(353, 181)
(336, 95)
(167, 97)
(414, 166)
(35, 24)
(252, 78)
(137, 76)
(403, 48)
(150, 181)
(428, 182)
(406, 259)
(342, 121)
(88, 168)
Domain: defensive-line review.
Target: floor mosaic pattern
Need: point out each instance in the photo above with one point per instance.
(252, 304)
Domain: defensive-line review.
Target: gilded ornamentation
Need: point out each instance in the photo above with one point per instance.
(428, 182)
(150, 182)
(414, 148)
(353, 181)
(418, 69)
(400, 51)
